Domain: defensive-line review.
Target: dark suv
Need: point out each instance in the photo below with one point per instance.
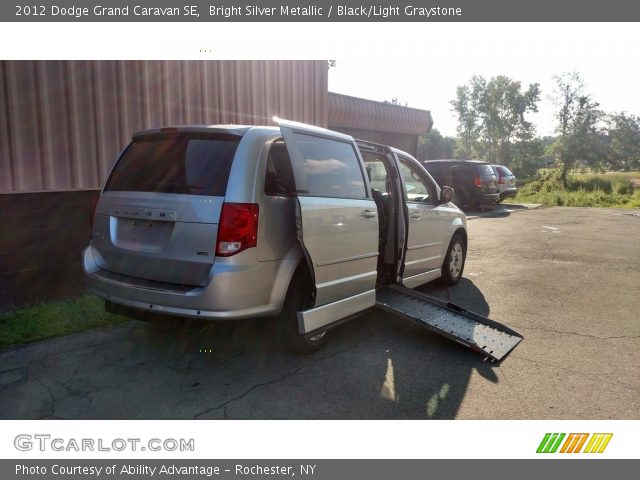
(474, 182)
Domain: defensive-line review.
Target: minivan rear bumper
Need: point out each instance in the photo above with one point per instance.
(483, 198)
(234, 290)
(510, 192)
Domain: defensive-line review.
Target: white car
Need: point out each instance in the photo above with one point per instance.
(506, 182)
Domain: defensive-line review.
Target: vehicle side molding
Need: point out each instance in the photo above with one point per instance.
(323, 316)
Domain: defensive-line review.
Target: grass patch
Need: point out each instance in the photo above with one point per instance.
(54, 319)
(582, 190)
(630, 174)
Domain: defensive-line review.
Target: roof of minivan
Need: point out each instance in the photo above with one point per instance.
(456, 160)
(229, 129)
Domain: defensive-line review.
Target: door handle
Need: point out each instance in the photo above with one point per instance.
(368, 214)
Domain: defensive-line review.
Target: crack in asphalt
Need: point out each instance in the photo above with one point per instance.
(71, 392)
(74, 391)
(546, 249)
(579, 334)
(288, 375)
(591, 376)
(52, 400)
(37, 356)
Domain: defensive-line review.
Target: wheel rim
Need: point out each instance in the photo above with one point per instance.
(455, 260)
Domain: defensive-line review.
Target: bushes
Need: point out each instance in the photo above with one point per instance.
(590, 190)
(635, 199)
(589, 183)
(622, 185)
(608, 183)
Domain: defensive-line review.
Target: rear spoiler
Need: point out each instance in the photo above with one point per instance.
(231, 130)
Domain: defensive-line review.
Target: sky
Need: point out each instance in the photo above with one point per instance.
(423, 66)
(420, 63)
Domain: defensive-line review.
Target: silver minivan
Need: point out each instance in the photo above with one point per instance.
(295, 221)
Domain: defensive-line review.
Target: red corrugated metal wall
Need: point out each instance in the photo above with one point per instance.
(63, 122)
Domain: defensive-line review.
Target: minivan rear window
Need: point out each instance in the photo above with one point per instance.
(484, 169)
(504, 171)
(188, 163)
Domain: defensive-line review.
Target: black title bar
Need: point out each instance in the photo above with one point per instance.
(314, 469)
(320, 11)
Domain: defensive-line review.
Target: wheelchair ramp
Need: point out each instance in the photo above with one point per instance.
(470, 329)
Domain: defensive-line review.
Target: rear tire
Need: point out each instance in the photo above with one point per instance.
(299, 297)
(453, 264)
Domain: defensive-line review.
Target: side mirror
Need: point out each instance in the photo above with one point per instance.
(446, 195)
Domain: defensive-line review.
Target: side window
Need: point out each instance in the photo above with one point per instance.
(462, 173)
(436, 170)
(279, 176)
(331, 167)
(417, 188)
(469, 171)
(376, 170)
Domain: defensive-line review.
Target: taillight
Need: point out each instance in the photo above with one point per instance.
(238, 228)
(501, 181)
(478, 182)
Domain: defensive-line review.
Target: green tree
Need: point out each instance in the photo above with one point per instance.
(528, 157)
(624, 141)
(433, 146)
(468, 130)
(579, 140)
(395, 101)
(492, 117)
(502, 106)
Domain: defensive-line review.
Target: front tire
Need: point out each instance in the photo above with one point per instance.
(299, 297)
(454, 260)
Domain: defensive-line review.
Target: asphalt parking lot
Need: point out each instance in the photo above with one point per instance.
(566, 278)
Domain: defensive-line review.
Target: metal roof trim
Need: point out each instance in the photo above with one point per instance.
(353, 112)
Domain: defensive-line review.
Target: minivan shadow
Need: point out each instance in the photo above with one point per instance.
(375, 367)
(465, 294)
(488, 211)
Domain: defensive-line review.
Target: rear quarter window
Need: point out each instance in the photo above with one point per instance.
(187, 163)
(439, 171)
(279, 179)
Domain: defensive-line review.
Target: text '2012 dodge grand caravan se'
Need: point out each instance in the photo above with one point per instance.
(229, 222)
